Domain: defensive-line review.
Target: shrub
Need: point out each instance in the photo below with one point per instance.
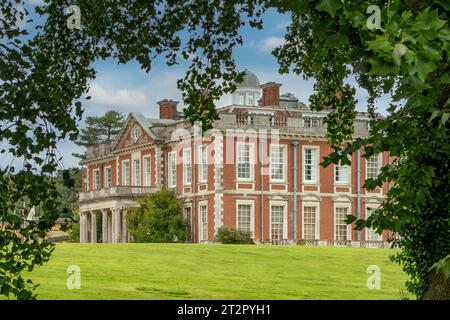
(158, 219)
(234, 236)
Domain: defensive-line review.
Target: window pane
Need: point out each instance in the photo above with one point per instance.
(310, 165)
(277, 223)
(341, 226)
(137, 172)
(147, 171)
(309, 220)
(187, 166)
(243, 161)
(276, 163)
(203, 223)
(244, 217)
(373, 167)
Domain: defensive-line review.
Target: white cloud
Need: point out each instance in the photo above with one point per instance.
(282, 26)
(118, 98)
(270, 43)
(36, 2)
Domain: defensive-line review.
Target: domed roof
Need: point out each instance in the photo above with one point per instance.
(250, 80)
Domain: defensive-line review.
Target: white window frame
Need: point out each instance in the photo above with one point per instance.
(315, 165)
(147, 178)
(317, 229)
(285, 217)
(125, 178)
(348, 235)
(283, 163)
(187, 166)
(201, 235)
(172, 169)
(379, 165)
(96, 184)
(348, 174)
(379, 237)
(137, 173)
(203, 165)
(251, 161)
(107, 180)
(250, 203)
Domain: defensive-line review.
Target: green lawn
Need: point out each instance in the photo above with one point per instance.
(185, 271)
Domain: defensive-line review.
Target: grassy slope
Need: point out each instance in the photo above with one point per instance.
(184, 271)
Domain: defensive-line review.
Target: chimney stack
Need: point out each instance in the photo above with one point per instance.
(167, 109)
(270, 94)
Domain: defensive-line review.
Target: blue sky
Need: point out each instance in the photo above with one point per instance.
(126, 88)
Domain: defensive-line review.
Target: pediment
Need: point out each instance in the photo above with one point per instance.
(133, 133)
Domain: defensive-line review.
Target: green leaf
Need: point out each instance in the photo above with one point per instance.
(380, 44)
(330, 6)
(424, 66)
(381, 67)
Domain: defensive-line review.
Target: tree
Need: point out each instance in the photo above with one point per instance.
(158, 219)
(68, 195)
(43, 79)
(100, 129)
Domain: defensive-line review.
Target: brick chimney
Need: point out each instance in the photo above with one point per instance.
(270, 94)
(167, 109)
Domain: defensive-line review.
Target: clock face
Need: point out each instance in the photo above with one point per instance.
(136, 133)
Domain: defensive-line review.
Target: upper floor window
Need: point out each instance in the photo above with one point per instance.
(136, 133)
(277, 171)
(108, 177)
(137, 172)
(310, 159)
(373, 167)
(96, 179)
(187, 170)
(311, 122)
(244, 161)
(126, 173)
(203, 171)
(147, 171)
(172, 170)
(341, 174)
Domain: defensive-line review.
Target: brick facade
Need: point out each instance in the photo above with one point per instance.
(267, 201)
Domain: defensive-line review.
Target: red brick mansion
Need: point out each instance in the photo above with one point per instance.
(257, 170)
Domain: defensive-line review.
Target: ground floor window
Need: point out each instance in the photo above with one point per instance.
(371, 234)
(187, 217)
(203, 222)
(244, 217)
(277, 223)
(340, 225)
(309, 223)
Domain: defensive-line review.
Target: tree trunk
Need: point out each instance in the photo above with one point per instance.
(439, 288)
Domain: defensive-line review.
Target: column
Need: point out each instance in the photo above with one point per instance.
(81, 227)
(116, 225)
(93, 227)
(104, 226)
(124, 226)
(110, 227)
